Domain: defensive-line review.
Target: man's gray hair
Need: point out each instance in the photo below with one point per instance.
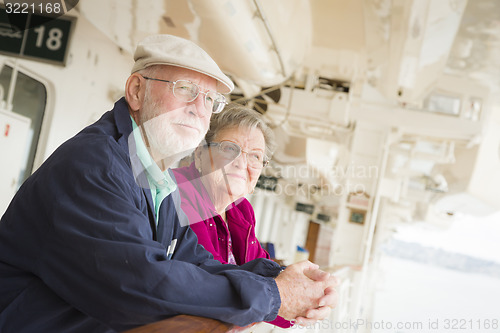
(237, 115)
(152, 71)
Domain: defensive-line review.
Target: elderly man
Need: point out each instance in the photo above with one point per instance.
(92, 241)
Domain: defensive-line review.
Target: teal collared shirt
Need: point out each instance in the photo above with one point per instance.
(160, 182)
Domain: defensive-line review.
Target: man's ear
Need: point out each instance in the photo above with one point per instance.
(135, 89)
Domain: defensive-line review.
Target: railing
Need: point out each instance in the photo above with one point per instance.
(193, 324)
(187, 324)
(343, 309)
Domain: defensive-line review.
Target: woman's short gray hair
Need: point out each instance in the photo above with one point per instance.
(237, 115)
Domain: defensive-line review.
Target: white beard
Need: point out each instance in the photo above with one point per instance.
(161, 135)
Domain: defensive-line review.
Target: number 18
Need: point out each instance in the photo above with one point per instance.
(54, 42)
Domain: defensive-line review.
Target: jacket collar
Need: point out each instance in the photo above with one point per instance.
(124, 128)
(238, 219)
(122, 121)
(127, 142)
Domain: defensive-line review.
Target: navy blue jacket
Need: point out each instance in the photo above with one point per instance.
(79, 251)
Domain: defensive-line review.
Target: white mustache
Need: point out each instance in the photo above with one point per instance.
(188, 123)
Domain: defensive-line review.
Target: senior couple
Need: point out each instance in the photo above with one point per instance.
(94, 241)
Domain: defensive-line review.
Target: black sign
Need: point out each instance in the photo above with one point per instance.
(267, 183)
(306, 208)
(323, 217)
(46, 40)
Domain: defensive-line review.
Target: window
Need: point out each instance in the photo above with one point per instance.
(29, 100)
(443, 103)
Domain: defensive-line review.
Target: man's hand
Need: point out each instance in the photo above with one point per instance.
(307, 293)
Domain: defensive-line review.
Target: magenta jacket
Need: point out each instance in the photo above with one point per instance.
(211, 229)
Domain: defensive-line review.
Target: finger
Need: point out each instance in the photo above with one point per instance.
(317, 274)
(306, 264)
(330, 298)
(302, 321)
(334, 281)
(301, 266)
(319, 313)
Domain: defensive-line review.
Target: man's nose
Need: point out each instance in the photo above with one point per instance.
(199, 109)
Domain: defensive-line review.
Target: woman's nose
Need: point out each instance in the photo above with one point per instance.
(241, 161)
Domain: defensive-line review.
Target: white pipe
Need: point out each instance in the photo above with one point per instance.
(271, 36)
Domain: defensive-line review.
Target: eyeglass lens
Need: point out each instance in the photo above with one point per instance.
(188, 91)
(231, 151)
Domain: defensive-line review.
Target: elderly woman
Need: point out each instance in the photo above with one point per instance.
(225, 169)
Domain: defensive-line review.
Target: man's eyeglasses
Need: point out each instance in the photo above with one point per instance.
(187, 91)
(256, 159)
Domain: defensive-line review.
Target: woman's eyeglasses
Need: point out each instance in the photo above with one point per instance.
(229, 150)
